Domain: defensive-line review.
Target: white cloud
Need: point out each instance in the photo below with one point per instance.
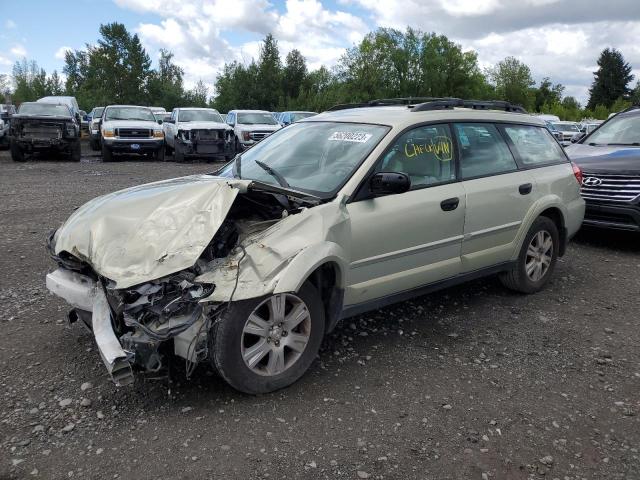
(10, 24)
(60, 53)
(18, 51)
(197, 31)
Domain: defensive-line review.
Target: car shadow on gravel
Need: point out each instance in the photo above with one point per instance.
(608, 239)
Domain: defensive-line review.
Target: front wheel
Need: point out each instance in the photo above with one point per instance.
(17, 155)
(178, 154)
(76, 151)
(537, 259)
(159, 155)
(107, 155)
(262, 345)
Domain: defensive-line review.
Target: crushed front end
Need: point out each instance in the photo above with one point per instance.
(43, 133)
(205, 142)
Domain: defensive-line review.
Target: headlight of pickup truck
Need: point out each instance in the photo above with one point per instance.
(71, 129)
(158, 134)
(108, 132)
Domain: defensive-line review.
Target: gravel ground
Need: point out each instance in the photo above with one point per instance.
(473, 382)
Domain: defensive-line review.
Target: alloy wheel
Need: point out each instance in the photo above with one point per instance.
(539, 255)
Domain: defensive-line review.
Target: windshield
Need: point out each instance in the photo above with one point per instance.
(621, 129)
(300, 115)
(199, 116)
(256, 118)
(313, 157)
(46, 109)
(129, 113)
(97, 112)
(567, 127)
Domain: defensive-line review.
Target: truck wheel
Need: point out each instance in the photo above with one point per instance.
(76, 151)
(537, 258)
(178, 154)
(94, 145)
(264, 344)
(158, 156)
(107, 155)
(17, 155)
(167, 149)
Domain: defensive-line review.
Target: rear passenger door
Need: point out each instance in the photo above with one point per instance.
(498, 195)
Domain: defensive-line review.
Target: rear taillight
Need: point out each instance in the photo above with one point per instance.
(577, 172)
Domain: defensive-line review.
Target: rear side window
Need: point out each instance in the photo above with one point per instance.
(534, 145)
(424, 153)
(483, 151)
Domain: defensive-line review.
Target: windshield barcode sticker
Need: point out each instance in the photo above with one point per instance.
(357, 137)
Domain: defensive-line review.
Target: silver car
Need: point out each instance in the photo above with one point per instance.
(249, 267)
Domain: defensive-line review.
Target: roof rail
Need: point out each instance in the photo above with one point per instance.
(451, 103)
(385, 102)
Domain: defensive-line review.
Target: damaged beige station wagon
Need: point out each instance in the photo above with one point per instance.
(249, 267)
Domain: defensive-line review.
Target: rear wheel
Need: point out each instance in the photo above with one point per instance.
(76, 151)
(537, 258)
(94, 145)
(262, 345)
(17, 155)
(107, 155)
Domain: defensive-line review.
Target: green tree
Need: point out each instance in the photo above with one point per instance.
(547, 93)
(197, 96)
(269, 74)
(294, 74)
(165, 85)
(611, 80)
(513, 81)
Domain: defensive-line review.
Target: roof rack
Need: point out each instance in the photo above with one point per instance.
(385, 102)
(451, 103)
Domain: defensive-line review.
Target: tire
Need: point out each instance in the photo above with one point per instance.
(94, 145)
(237, 146)
(158, 156)
(228, 343)
(178, 154)
(17, 155)
(167, 149)
(107, 155)
(517, 278)
(76, 151)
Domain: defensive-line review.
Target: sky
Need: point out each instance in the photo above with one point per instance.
(560, 39)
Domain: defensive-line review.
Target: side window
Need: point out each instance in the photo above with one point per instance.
(174, 114)
(534, 145)
(231, 118)
(483, 151)
(424, 153)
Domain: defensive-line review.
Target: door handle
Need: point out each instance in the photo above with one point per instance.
(525, 188)
(449, 204)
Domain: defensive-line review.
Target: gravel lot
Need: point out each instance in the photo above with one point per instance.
(474, 382)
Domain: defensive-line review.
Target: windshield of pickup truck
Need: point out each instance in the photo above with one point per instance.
(45, 109)
(97, 112)
(129, 113)
(199, 116)
(312, 157)
(256, 118)
(620, 130)
(567, 127)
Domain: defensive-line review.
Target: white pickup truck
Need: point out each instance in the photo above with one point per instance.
(251, 126)
(198, 132)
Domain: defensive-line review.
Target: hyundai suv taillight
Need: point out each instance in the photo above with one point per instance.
(577, 172)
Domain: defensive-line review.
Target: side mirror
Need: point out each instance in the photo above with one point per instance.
(389, 183)
(78, 119)
(577, 137)
(159, 121)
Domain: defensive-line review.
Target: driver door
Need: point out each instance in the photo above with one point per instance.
(403, 241)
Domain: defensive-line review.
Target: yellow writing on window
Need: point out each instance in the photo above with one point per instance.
(438, 146)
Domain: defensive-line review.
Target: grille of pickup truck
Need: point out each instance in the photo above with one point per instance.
(259, 135)
(610, 188)
(43, 131)
(133, 132)
(206, 134)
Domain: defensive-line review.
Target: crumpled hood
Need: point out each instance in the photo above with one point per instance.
(149, 231)
(612, 159)
(203, 126)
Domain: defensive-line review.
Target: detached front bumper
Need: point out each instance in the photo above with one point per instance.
(88, 296)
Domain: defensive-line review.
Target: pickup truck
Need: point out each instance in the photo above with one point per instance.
(197, 132)
(130, 129)
(251, 126)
